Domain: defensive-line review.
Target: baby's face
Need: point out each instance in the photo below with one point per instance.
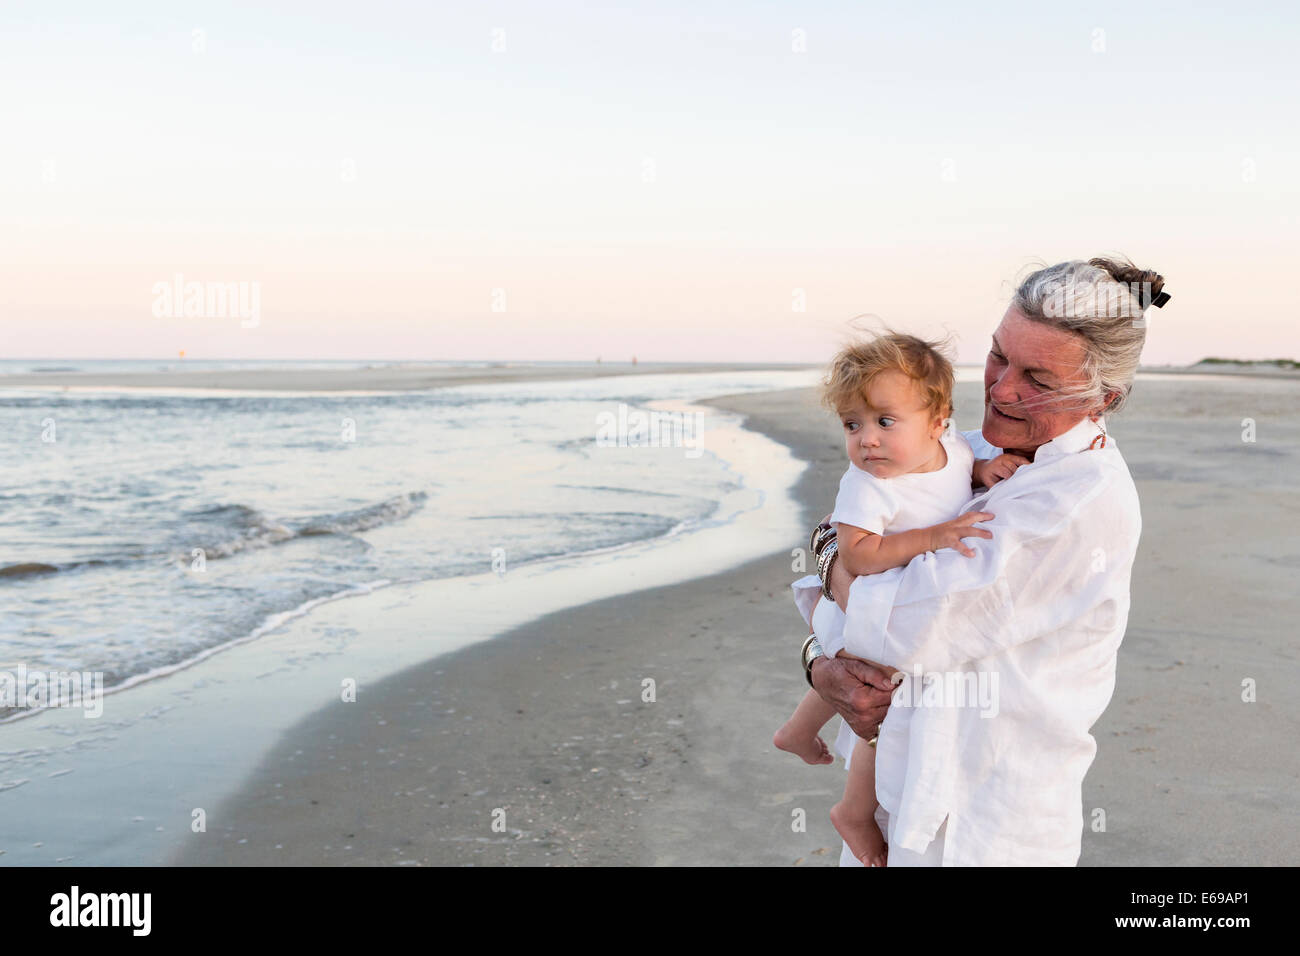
(888, 432)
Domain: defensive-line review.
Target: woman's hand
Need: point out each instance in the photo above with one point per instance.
(950, 533)
(859, 692)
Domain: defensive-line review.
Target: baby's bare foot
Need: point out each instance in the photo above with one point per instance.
(862, 834)
(877, 859)
(810, 749)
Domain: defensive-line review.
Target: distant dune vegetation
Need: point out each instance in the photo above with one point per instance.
(1279, 362)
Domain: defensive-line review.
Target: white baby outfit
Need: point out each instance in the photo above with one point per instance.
(890, 506)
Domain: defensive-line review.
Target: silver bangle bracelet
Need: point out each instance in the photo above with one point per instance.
(821, 535)
(825, 562)
(825, 556)
(826, 585)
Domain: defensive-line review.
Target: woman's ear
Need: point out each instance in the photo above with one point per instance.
(1110, 399)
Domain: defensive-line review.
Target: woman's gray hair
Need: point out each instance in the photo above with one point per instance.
(1102, 301)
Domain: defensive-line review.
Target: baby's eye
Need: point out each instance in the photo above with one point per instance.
(885, 420)
(850, 426)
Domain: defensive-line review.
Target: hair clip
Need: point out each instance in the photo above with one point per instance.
(1146, 299)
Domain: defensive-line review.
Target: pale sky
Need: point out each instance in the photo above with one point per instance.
(666, 181)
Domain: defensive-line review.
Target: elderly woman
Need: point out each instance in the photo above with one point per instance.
(1028, 629)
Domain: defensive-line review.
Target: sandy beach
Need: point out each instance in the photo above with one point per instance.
(546, 722)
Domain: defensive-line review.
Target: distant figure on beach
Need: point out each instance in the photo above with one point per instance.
(1019, 641)
(909, 477)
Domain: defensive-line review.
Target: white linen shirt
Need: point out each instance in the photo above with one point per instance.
(1038, 615)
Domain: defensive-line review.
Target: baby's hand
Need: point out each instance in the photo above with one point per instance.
(950, 533)
(990, 472)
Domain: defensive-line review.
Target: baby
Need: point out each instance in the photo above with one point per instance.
(908, 476)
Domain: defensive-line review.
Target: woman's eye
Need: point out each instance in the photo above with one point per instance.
(998, 356)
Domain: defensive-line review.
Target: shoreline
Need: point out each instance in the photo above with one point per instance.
(184, 742)
(555, 733)
(548, 726)
(362, 380)
(1272, 372)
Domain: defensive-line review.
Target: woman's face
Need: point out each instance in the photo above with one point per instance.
(1027, 366)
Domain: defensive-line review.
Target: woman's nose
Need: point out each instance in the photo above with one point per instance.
(1002, 392)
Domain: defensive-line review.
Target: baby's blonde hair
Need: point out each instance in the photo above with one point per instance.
(855, 366)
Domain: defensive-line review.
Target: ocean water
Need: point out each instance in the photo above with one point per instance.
(12, 366)
(142, 530)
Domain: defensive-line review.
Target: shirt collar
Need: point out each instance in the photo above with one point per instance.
(1077, 438)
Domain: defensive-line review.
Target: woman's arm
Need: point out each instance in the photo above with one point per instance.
(1056, 544)
(859, 692)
